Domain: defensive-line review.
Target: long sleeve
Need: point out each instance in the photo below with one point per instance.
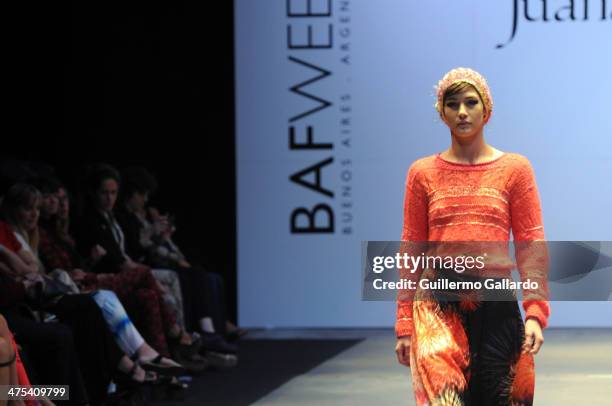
(93, 229)
(131, 227)
(530, 247)
(414, 236)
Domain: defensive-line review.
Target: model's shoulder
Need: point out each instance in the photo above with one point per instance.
(516, 160)
(418, 169)
(519, 170)
(423, 163)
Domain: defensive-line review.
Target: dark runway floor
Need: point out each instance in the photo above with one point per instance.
(263, 366)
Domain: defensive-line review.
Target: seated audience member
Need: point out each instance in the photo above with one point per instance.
(98, 235)
(149, 239)
(50, 349)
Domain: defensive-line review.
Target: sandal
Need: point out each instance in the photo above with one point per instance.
(129, 378)
(157, 365)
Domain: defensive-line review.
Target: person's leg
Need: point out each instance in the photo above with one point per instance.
(192, 298)
(97, 351)
(144, 310)
(51, 350)
(126, 335)
(439, 354)
(505, 375)
(172, 293)
(150, 314)
(140, 293)
(196, 294)
(211, 306)
(124, 284)
(216, 300)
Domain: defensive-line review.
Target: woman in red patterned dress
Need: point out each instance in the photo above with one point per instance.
(472, 352)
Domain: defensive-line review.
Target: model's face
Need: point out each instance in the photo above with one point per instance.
(63, 203)
(106, 196)
(49, 204)
(464, 113)
(27, 216)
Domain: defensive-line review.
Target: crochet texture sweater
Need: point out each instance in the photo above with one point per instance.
(446, 201)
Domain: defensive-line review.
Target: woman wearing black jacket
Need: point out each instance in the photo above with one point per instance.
(99, 236)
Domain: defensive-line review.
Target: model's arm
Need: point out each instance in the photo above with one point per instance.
(531, 250)
(414, 238)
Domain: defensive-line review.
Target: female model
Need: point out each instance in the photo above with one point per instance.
(472, 352)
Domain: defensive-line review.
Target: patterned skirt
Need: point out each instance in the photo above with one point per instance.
(468, 352)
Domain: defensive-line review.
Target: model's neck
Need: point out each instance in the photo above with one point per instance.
(469, 151)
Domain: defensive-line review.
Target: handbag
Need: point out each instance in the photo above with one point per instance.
(50, 288)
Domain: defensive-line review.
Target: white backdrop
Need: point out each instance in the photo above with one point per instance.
(368, 91)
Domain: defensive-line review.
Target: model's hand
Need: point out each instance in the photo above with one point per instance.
(402, 350)
(533, 337)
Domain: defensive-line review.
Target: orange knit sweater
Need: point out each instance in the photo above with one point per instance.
(446, 201)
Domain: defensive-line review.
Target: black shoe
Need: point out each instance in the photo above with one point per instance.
(186, 350)
(158, 366)
(236, 334)
(214, 342)
(128, 379)
(193, 364)
(221, 361)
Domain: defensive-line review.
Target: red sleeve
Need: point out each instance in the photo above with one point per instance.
(8, 239)
(529, 244)
(415, 233)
